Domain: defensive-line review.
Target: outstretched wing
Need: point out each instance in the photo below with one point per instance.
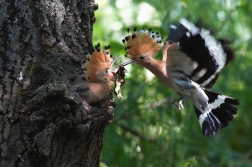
(208, 56)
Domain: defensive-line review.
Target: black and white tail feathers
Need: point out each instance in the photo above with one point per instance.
(221, 112)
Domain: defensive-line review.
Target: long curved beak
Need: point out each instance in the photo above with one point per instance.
(115, 60)
(127, 62)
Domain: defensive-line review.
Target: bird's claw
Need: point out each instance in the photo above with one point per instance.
(179, 105)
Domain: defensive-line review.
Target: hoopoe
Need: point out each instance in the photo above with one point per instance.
(98, 79)
(192, 60)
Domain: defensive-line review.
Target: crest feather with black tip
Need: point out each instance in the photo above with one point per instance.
(97, 61)
(144, 42)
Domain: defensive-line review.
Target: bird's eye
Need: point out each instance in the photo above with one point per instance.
(142, 57)
(106, 71)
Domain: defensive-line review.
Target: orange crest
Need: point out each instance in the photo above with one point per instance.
(96, 63)
(143, 42)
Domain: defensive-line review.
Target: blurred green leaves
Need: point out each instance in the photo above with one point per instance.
(142, 133)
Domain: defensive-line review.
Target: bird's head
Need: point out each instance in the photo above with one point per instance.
(142, 46)
(97, 66)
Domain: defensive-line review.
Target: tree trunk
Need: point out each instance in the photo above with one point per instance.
(43, 121)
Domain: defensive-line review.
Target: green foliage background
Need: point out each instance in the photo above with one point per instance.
(142, 133)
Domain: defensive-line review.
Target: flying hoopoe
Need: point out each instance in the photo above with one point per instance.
(98, 79)
(192, 60)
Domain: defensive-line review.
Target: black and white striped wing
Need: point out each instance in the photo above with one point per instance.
(196, 58)
(208, 55)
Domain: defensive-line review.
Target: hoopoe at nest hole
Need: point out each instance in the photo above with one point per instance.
(192, 60)
(98, 79)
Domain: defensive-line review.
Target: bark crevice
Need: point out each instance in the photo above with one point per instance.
(43, 121)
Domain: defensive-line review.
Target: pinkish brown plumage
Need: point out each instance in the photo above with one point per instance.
(191, 63)
(97, 80)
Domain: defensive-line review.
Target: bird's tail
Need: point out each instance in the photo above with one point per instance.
(144, 42)
(221, 112)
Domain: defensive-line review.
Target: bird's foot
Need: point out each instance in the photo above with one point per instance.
(178, 103)
(174, 102)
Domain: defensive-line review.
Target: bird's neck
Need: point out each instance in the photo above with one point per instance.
(158, 68)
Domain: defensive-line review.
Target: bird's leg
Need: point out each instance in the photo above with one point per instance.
(180, 103)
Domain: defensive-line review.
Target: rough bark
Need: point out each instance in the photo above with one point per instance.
(43, 121)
